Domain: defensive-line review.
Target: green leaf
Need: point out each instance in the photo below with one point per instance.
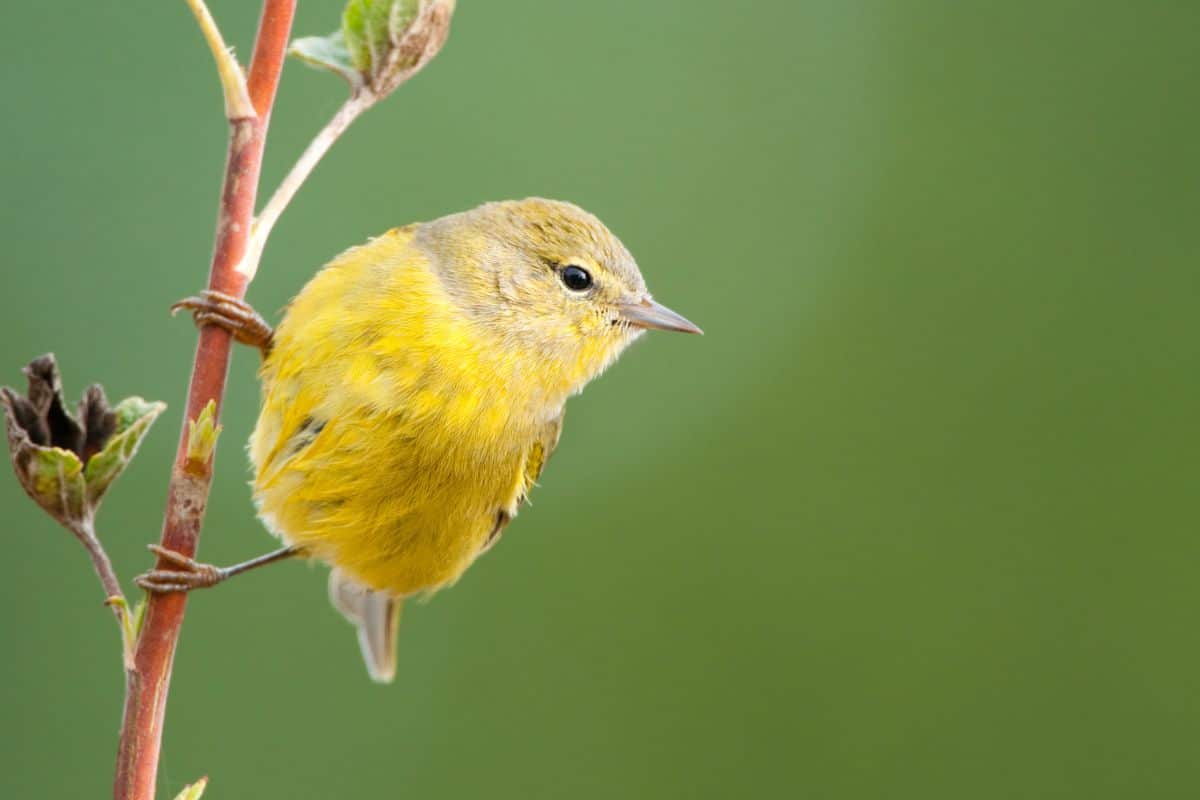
(134, 418)
(202, 435)
(131, 626)
(193, 791)
(135, 619)
(382, 43)
(327, 52)
(373, 27)
(53, 477)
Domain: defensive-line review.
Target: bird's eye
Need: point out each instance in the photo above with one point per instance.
(577, 279)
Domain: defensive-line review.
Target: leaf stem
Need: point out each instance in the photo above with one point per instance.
(233, 80)
(85, 532)
(147, 684)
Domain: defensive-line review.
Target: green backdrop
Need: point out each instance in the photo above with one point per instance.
(915, 519)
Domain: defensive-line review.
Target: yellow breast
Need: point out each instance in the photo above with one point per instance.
(393, 432)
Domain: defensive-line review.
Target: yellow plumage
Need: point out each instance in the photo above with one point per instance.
(416, 386)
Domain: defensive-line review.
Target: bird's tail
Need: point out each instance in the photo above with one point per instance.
(377, 617)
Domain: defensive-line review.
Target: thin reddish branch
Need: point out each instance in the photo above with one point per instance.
(148, 683)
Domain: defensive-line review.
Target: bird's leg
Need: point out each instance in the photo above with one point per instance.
(235, 316)
(189, 574)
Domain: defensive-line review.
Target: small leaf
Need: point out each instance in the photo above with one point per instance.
(134, 417)
(131, 626)
(373, 27)
(327, 52)
(193, 791)
(51, 475)
(382, 43)
(202, 435)
(54, 479)
(135, 619)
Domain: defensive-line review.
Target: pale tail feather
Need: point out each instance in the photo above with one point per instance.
(377, 617)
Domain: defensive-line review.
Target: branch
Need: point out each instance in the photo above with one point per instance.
(187, 497)
(376, 62)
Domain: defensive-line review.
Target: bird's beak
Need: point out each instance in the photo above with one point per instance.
(649, 314)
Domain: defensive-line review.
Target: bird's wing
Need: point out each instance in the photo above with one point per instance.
(298, 429)
(535, 461)
(539, 454)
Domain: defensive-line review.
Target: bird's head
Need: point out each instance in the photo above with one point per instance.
(548, 281)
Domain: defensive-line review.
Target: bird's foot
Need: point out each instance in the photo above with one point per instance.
(217, 308)
(188, 573)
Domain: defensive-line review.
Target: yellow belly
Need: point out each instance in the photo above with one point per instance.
(388, 442)
(386, 506)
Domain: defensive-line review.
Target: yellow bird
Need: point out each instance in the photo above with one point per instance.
(414, 391)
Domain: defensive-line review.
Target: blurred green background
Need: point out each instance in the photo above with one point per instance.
(917, 518)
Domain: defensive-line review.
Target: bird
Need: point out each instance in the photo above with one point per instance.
(413, 393)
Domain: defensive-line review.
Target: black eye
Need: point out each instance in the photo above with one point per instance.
(577, 279)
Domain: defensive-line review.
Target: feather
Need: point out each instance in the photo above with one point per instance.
(377, 617)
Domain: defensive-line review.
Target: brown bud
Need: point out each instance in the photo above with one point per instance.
(65, 461)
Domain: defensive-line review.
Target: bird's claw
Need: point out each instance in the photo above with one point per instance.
(188, 575)
(227, 312)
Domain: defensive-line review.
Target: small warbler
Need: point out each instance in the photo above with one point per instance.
(414, 391)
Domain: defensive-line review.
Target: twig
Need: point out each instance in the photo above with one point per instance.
(85, 532)
(233, 80)
(114, 598)
(148, 683)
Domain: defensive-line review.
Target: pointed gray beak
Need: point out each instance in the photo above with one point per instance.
(649, 314)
